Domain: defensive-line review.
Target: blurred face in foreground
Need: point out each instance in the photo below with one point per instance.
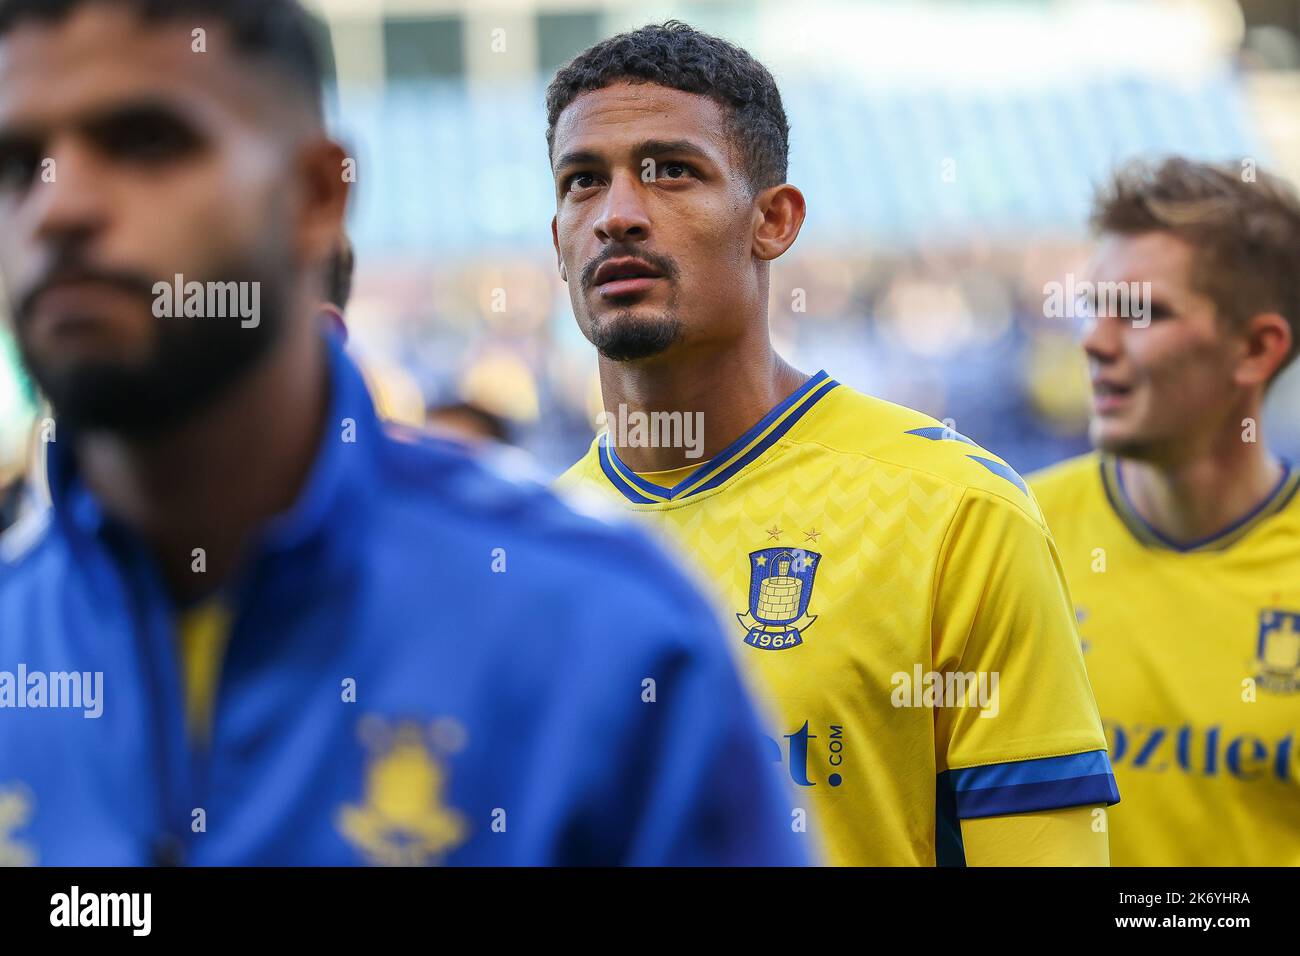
(1157, 388)
(655, 222)
(126, 158)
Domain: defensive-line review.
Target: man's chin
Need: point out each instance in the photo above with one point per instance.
(627, 338)
(150, 398)
(632, 352)
(98, 397)
(1115, 439)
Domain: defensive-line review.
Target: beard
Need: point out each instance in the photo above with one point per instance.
(626, 337)
(192, 362)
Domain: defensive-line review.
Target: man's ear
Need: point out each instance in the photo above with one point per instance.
(1268, 339)
(323, 167)
(778, 216)
(555, 241)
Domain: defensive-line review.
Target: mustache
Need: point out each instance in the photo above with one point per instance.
(666, 267)
(69, 270)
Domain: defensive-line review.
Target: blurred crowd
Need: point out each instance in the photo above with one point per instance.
(959, 332)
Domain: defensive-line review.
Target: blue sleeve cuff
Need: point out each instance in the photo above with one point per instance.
(1025, 786)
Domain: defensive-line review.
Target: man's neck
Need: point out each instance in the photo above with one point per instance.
(728, 392)
(212, 482)
(1198, 495)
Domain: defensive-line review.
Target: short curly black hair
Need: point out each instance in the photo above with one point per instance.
(677, 56)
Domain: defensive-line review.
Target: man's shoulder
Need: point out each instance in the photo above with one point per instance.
(24, 544)
(32, 566)
(481, 486)
(1060, 487)
(494, 496)
(581, 472)
(913, 444)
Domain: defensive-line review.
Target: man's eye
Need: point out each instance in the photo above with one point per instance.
(676, 170)
(17, 167)
(580, 181)
(147, 142)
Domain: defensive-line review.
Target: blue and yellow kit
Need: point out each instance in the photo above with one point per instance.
(1193, 650)
(424, 661)
(896, 600)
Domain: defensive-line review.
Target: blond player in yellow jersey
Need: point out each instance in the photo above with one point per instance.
(891, 589)
(1181, 535)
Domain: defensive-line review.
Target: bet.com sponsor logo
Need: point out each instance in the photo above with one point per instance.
(1201, 751)
(827, 747)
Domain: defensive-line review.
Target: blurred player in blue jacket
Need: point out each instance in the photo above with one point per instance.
(256, 627)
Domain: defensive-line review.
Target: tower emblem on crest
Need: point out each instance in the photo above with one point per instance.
(780, 586)
(1278, 652)
(404, 819)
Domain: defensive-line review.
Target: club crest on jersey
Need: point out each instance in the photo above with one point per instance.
(1278, 651)
(780, 586)
(404, 820)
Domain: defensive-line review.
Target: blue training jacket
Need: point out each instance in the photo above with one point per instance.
(428, 662)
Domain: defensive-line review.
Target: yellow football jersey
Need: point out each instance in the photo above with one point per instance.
(1194, 654)
(897, 605)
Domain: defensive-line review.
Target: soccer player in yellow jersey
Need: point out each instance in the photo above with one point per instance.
(1180, 536)
(891, 588)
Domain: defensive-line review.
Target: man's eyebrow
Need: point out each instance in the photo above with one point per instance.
(648, 147)
(680, 147)
(21, 133)
(577, 157)
(16, 137)
(144, 108)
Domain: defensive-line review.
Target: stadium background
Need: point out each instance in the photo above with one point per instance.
(947, 149)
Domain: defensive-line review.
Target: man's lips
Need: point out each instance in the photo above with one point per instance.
(625, 276)
(77, 299)
(67, 296)
(1109, 396)
(83, 313)
(620, 287)
(625, 267)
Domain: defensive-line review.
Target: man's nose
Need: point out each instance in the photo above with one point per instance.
(69, 198)
(1103, 337)
(624, 217)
